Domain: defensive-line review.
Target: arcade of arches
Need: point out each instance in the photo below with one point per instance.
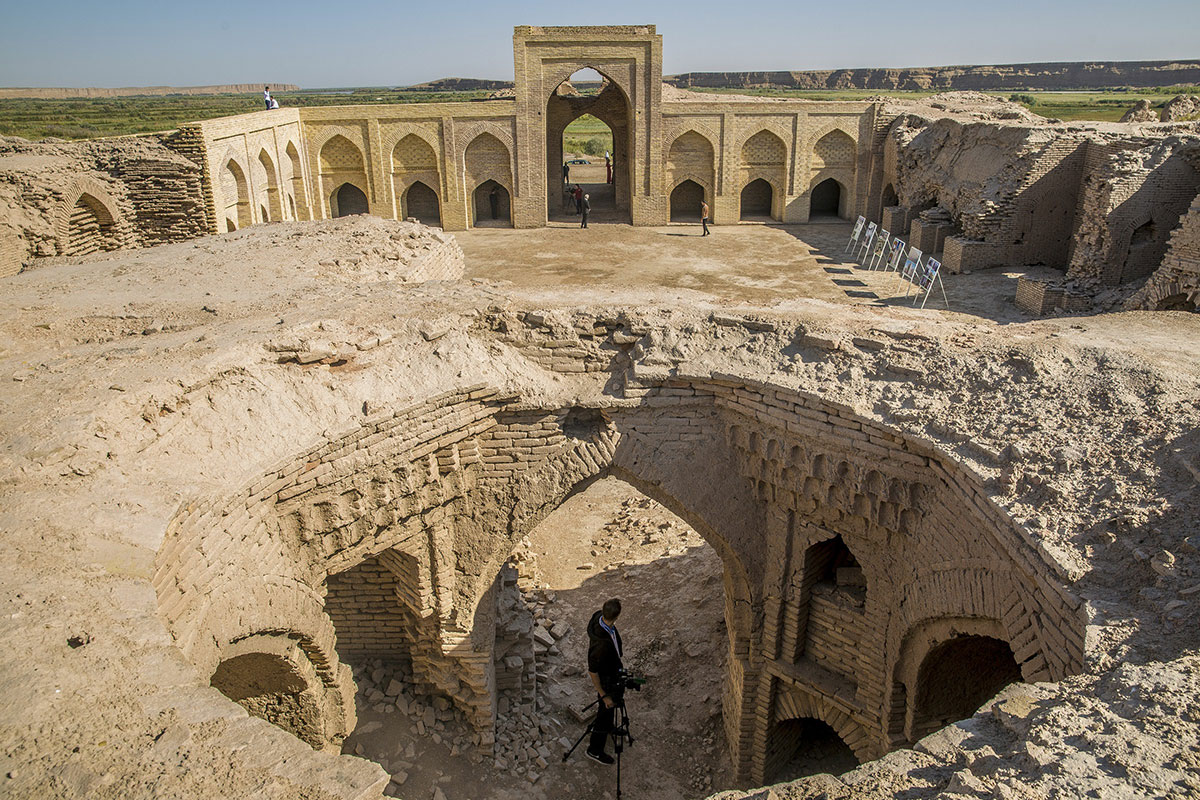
(859, 580)
(726, 148)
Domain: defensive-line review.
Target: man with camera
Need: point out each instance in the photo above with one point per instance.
(605, 669)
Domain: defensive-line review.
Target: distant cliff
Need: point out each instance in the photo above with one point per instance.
(1063, 75)
(142, 91)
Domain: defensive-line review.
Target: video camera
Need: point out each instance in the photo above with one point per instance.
(627, 681)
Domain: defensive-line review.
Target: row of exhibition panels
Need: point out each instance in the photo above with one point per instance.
(875, 248)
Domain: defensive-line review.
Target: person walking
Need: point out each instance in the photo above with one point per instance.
(584, 208)
(704, 217)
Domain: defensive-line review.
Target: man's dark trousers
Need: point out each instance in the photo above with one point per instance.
(601, 728)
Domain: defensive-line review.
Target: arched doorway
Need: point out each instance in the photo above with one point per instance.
(492, 207)
(756, 200)
(1145, 252)
(341, 163)
(802, 747)
(348, 200)
(421, 203)
(685, 201)
(957, 676)
(236, 191)
(279, 687)
(298, 201)
(587, 118)
(826, 199)
(90, 227)
(270, 209)
(889, 197)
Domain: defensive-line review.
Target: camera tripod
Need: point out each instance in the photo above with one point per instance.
(619, 733)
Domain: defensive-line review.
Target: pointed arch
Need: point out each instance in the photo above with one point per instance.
(487, 158)
(758, 199)
(235, 189)
(341, 163)
(691, 158)
(420, 201)
(298, 195)
(269, 189)
(339, 154)
(415, 167)
(796, 704)
(685, 201)
(828, 198)
(90, 227)
(764, 149)
(348, 200)
(834, 149)
(491, 205)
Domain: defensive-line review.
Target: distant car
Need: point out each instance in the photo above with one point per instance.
(578, 161)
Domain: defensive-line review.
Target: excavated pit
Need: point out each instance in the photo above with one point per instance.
(287, 518)
(398, 538)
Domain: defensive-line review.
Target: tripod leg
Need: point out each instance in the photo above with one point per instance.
(586, 732)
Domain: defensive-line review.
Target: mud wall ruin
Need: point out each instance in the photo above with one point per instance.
(71, 199)
(1098, 202)
(419, 507)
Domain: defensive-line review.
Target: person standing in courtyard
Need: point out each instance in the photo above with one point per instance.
(704, 217)
(578, 195)
(607, 167)
(584, 207)
(566, 173)
(267, 96)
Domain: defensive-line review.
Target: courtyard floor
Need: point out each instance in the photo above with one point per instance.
(769, 265)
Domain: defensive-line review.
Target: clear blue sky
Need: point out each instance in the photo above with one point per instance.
(138, 43)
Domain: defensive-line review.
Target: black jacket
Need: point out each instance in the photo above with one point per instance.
(604, 657)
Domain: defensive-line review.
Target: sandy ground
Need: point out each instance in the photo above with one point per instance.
(768, 265)
(153, 370)
(608, 540)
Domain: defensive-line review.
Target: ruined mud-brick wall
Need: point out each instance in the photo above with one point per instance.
(74, 198)
(846, 654)
(441, 260)
(1176, 283)
(1132, 197)
(1096, 199)
(1010, 190)
(308, 526)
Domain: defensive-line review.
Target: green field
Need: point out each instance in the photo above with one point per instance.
(587, 136)
(116, 116)
(85, 118)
